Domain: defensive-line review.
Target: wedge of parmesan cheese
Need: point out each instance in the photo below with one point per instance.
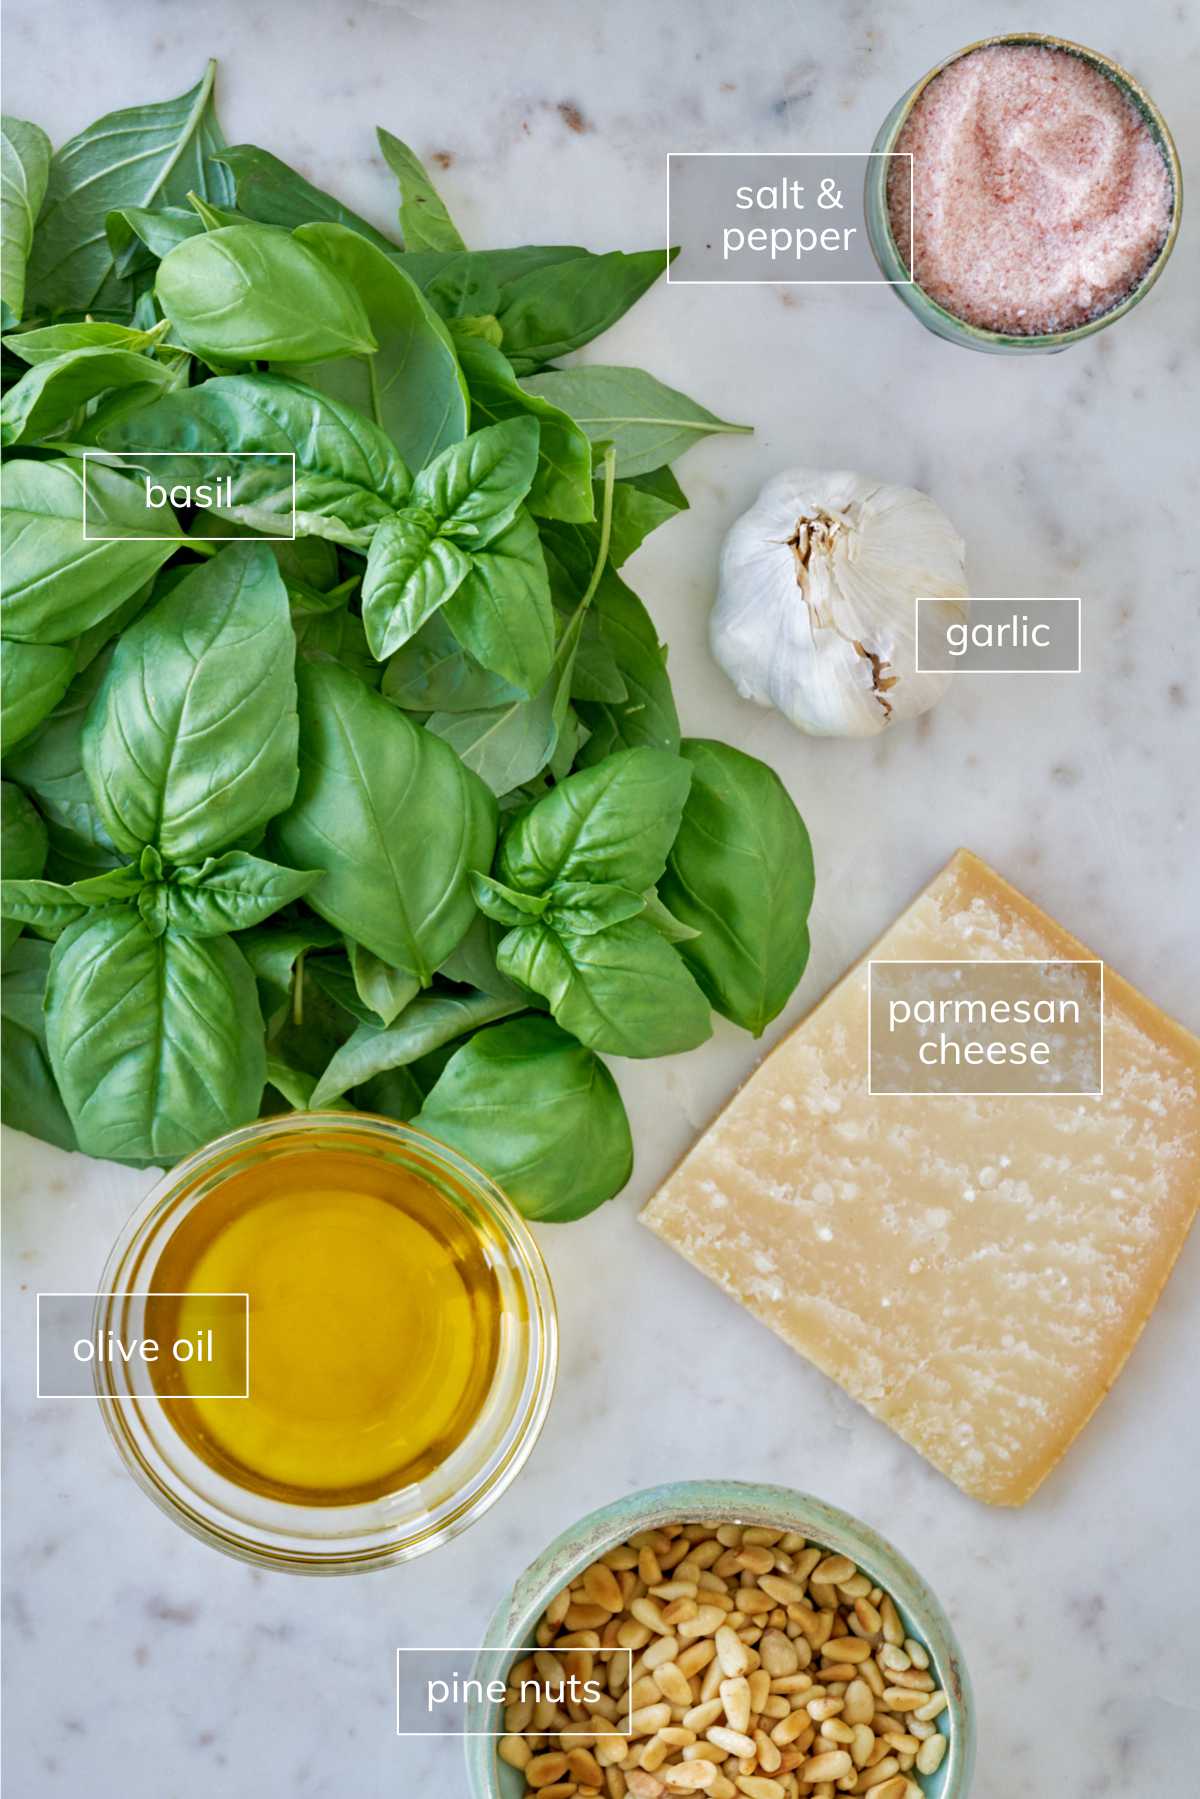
(973, 1270)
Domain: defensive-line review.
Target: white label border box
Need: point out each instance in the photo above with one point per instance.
(104, 457)
(517, 1649)
(827, 155)
(986, 962)
(1053, 599)
(153, 1293)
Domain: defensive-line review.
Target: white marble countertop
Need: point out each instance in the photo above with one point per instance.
(144, 1665)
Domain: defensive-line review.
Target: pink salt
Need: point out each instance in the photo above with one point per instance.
(1041, 197)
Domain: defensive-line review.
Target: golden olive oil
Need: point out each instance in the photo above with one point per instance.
(374, 1326)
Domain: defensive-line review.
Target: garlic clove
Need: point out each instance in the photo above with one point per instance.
(814, 612)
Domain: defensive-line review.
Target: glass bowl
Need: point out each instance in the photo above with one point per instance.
(935, 318)
(334, 1539)
(725, 1502)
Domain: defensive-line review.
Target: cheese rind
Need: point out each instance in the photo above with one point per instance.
(974, 1271)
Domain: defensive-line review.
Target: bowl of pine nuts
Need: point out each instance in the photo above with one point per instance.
(726, 1640)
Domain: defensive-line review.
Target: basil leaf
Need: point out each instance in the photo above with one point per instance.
(554, 308)
(623, 990)
(641, 503)
(141, 156)
(24, 171)
(305, 1038)
(585, 907)
(268, 190)
(433, 673)
(337, 637)
(49, 906)
(665, 922)
(50, 766)
(472, 962)
(412, 570)
(741, 873)
(59, 582)
(156, 1042)
(646, 422)
(505, 904)
(647, 715)
(230, 893)
(248, 291)
(29, 1098)
(475, 488)
(502, 613)
(52, 341)
(595, 675)
(538, 1113)
(190, 743)
(562, 484)
(395, 1094)
(141, 237)
(464, 290)
(611, 823)
(430, 1021)
(384, 991)
(33, 678)
(49, 394)
(273, 952)
(23, 845)
(295, 1084)
(393, 818)
(509, 744)
(45, 905)
(412, 387)
(348, 474)
(23, 988)
(424, 221)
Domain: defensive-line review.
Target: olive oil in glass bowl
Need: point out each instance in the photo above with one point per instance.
(400, 1348)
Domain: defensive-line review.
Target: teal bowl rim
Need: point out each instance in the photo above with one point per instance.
(726, 1502)
(947, 324)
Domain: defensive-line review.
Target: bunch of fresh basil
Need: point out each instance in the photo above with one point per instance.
(396, 814)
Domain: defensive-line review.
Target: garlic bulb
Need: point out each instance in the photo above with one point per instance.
(814, 611)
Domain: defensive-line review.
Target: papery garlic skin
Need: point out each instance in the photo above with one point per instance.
(814, 612)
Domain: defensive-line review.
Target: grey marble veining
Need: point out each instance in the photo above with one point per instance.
(145, 1666)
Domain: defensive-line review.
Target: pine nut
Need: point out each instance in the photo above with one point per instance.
(830, 1766)
(832, 1571)
(735, 1696)
(665, 1649)
(541, 1770)
(601, 1587)
(672, 1684)
(515, 1751)
(781, 1589)
(778, 1653)
(690, 1777)
(733, 1742)
(649, 1718)
(732, 1653)
(755, 1786)
(701, 1716)
(703, 1623)
(937, 1705)
(929, 1755)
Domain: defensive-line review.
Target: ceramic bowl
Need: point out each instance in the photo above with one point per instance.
(725, 1502)
(935, 318)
